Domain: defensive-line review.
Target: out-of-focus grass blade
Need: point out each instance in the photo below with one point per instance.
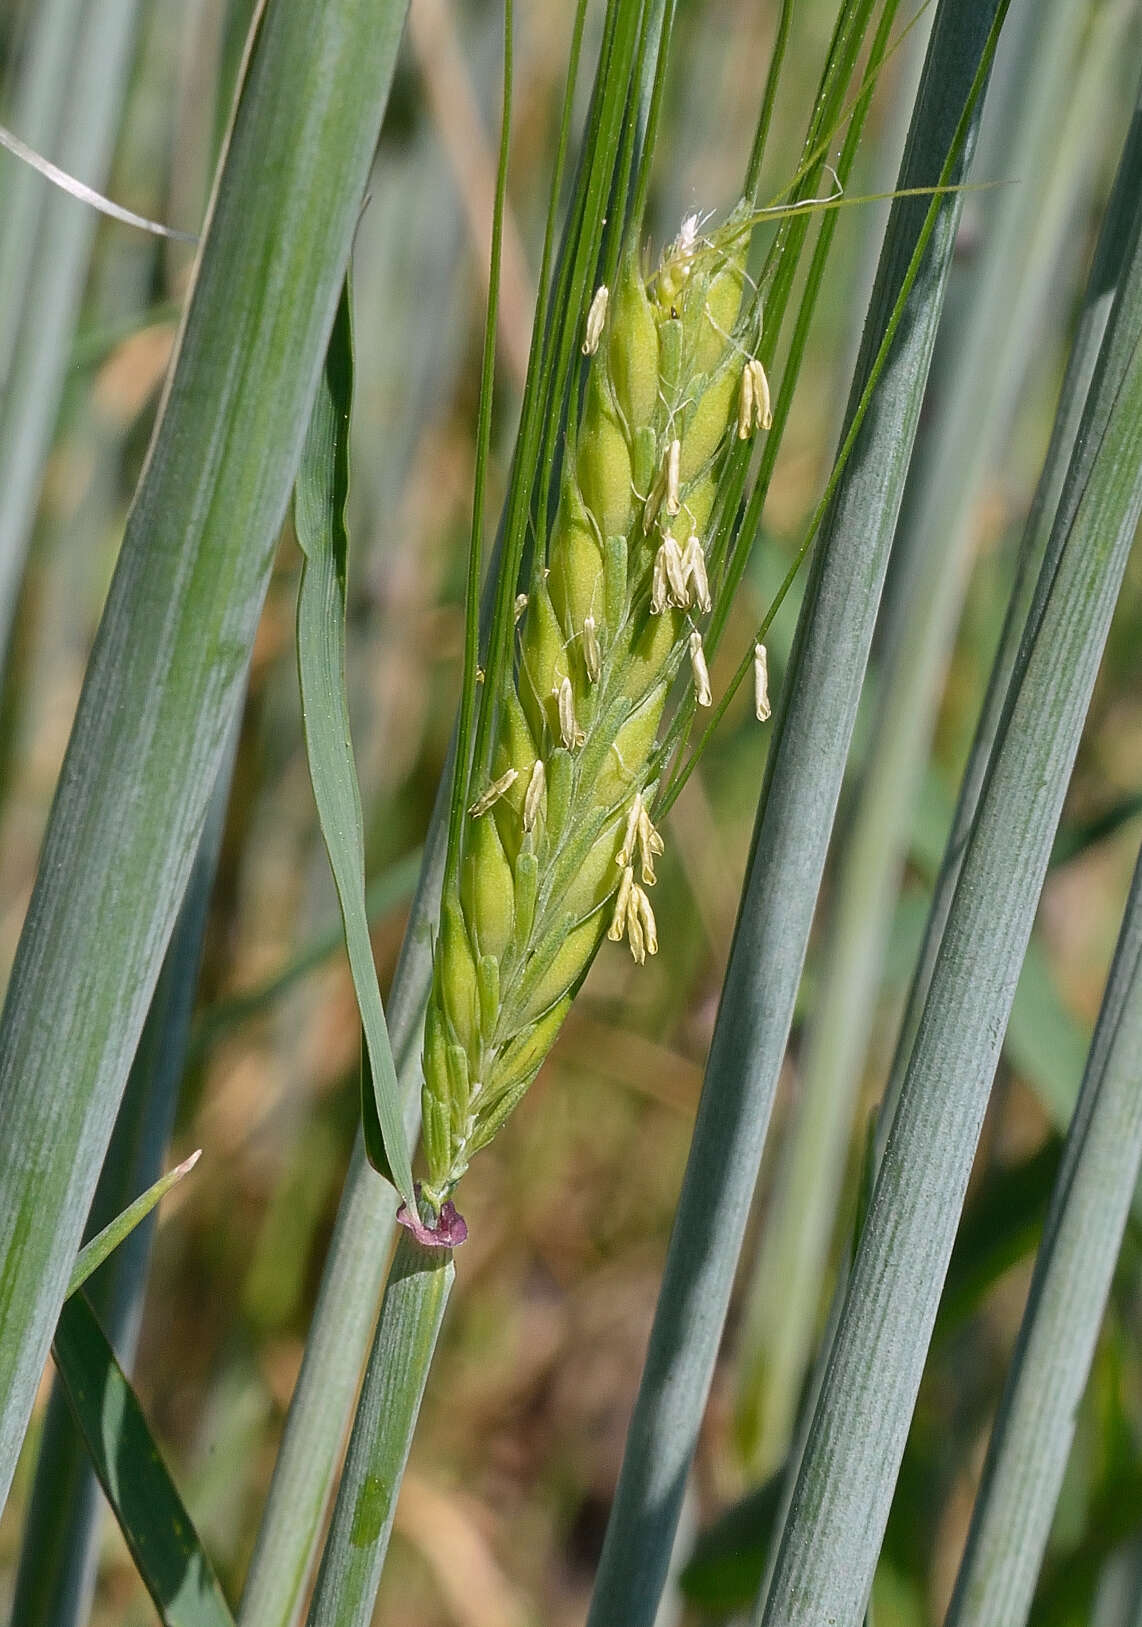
(388, 891)
(56, 1577)
(80, 190)
(157, 1528)
(1074, 840)
(420, 1281)
(815, 717)
(1001, 1226)
(93, 1254)
(39, 89)
(1025, 225)
(1106, 1566)
(1044, 1042)
(1035, 1425)
(169, 662)
(827, 1555)
(1040, 534)
(725, 1569)
(1118, 1602)
(78, 67)
(319, 515)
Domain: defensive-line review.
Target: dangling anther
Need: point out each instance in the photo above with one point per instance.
(619, 918)
(494, 792)
(700, 670)
(569, 730)
(650, 847)
(754, 408)
(533, 796)
(668, 582)
(760, 683)
(592, 659)
(672, 470)
(640, 905)
(693, 567)
(520, 607)
(626, 853)
(596, 317)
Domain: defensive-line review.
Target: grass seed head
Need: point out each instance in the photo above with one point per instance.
(550, 850)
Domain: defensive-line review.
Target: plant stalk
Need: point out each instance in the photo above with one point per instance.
(413, 1308)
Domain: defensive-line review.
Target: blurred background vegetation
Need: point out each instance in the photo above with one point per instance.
(516, 1458)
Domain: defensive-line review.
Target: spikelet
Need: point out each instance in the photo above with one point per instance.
(554, 837)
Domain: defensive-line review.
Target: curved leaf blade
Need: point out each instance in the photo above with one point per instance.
(92, 1255)
(319, 517)
(151, 1515)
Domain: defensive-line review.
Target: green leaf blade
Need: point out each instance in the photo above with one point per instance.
(815, 718)
(170, 658)
(1035, 1426)
(92, 1255)
(843, 1488)
(319, 510)
(420, 1282)
(151, 1514)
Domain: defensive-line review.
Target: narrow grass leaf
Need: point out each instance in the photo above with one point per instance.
(1036, 1421)
(56, 1579)
(170, 658)
(78, 68)
(816, 713)
(930, 566)
(1001, 1226)
(1040, 534)
(419, 1284)
(386, 892)
(840, 1499)
(319, 516)
(724, 1571)
(346, 1310)
(93, 1254)
(151, 1515)
(1075, 840)
(87, 194)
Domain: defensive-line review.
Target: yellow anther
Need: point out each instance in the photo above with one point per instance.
(754, 407)
(672, 470)
(693, 569)
(619, 918)
(534, 794)
(760, 683)
(494, 792)
(639, 908)
(596, 317)
(650, 845)
(591, 656)
(520, 606)
(700, 670)
(626, 852)
(569, 730)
